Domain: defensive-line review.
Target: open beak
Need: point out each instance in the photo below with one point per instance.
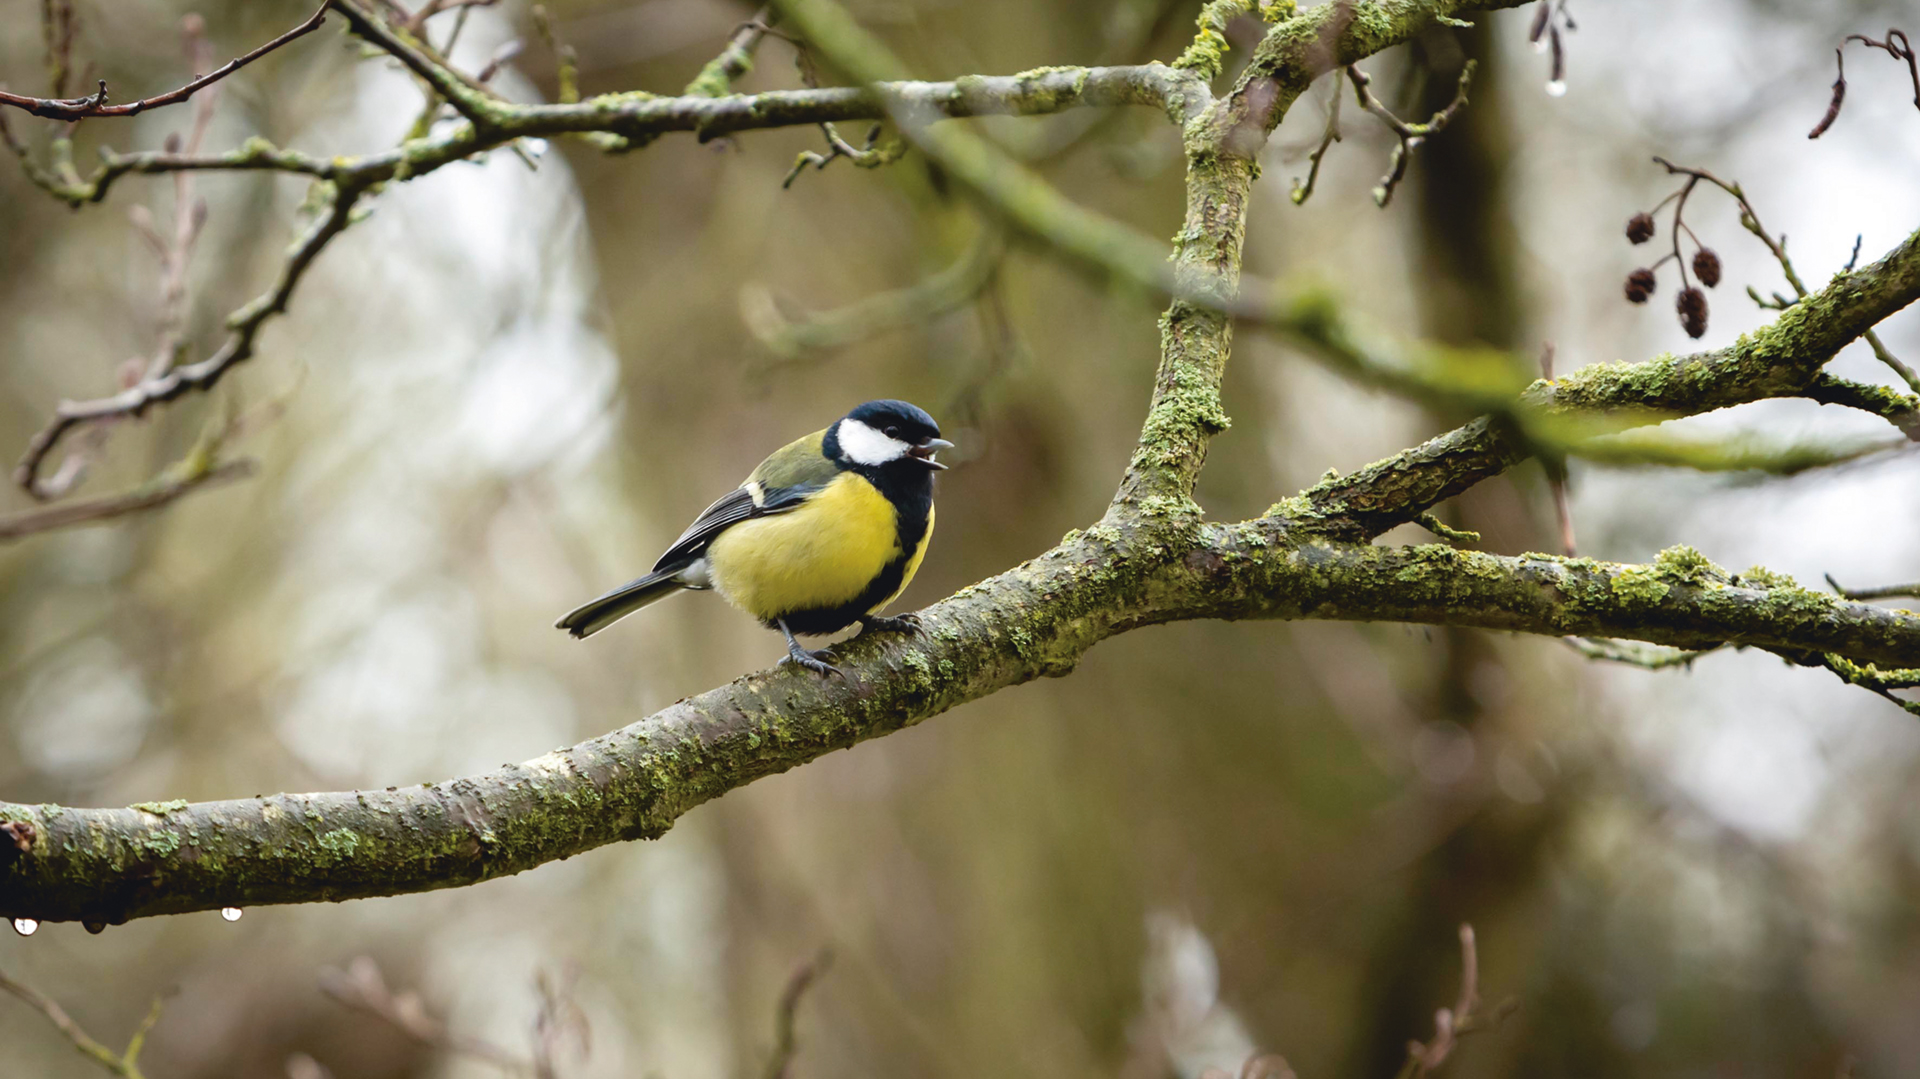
(924, 452)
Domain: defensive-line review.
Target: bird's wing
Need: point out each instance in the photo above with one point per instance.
(782, 482)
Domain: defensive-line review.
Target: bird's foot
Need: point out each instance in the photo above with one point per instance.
(814, 661)
(906, 623)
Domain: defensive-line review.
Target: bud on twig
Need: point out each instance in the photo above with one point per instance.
(1640, 228)
(1640, 284)
(1692, 306)
(1706, 266)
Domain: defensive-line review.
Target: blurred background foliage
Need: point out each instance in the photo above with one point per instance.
(510, 387)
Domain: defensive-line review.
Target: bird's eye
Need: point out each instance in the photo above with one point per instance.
(893, 432)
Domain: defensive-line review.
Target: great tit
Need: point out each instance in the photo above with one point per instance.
(825, 533)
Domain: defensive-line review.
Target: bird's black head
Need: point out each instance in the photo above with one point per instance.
(882, 433)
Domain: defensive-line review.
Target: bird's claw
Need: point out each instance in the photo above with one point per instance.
(801, 657)
(905, 623)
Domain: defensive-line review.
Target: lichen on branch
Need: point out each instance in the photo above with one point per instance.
(1150, 560)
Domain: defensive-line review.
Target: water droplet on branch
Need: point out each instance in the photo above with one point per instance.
(231, 914)
(1557, 88)
(25, 926)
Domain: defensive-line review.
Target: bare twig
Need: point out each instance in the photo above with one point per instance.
(785, 1040)
(468, 96)
(1892, 591)
(174, 252)
(244, 324)
(1451, 1024)
(361, 988)
(1896, 45)
(59, 24)
(159, 491)
(95, 104)
(791, 340)
(125, 1064)
(1410, 135)
(417, 24)
(1651, 657)
(1303, 191)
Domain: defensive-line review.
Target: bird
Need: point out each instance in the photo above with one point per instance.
(826, 532)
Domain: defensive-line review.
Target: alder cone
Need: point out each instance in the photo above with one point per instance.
(1640, 285)
(1706, 266)
(1692, 306)
(1640, 228)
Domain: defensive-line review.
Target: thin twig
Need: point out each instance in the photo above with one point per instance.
(125, 1064)
(469, 97)
(1451, 1024)
(870, 156)
(1871, 678)
(1650, 657)
(157, 492)
(1891, 591)
(559, 1017)
(1896, 45)
(792, 340)
(1303, 191)
(245, 326)
(785, 1040)
(361, 988)
(95, 104)
(1410, 135)
(417, 24)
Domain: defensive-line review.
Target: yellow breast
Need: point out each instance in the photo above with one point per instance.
(817, 557)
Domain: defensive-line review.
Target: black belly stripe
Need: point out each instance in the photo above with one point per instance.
(909, 486)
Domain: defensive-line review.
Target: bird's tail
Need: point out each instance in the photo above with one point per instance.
(592, 617)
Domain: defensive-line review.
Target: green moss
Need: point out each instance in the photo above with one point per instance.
(714, 79)
(1293, 507)
(1685, 565)
(341, 841)
(1639, 584)
(1207, 55)
(1763, 578)
(1795, 603)
(162, 843)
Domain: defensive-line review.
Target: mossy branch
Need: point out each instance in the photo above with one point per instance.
(1035, 620)
(1151, 560)
(1783, 359)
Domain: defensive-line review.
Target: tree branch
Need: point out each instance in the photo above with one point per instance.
(1035, 620)
(1150, 560)
(125, 1064)
(163, 489)
(95, 104)
(244, 326)
(1783, 359)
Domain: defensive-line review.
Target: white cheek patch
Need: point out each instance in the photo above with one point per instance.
(865, 446)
